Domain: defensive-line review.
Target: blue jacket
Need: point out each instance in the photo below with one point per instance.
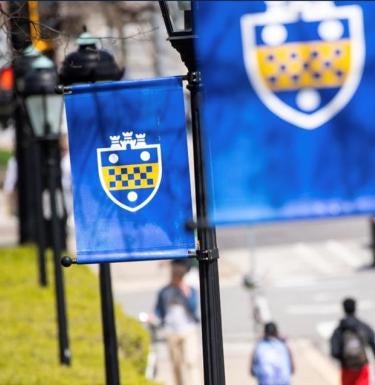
(272, 362)
(171, 294)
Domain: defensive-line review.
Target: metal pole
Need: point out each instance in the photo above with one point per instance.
(109, 326)
(24, 161)
(52, 164)
(372, 245)
(20, 39)
(39, 219)
(212, 338)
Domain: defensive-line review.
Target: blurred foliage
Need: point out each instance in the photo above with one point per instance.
(4, 157)
(28, 348)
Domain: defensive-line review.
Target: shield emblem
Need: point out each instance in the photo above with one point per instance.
(304, 59)
(130, 170)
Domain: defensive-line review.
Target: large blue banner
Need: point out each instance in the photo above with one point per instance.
(131, 188)
(288, 103)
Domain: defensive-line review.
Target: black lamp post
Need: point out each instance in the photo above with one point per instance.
(178, 20)
(44, 110)
(372, 240)
(25, 161)
(90, 64)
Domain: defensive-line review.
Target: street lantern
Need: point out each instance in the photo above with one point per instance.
(22, 64)
(179, 23)
(177, 16)
(87, 65)
(44, 111)
(44, 106)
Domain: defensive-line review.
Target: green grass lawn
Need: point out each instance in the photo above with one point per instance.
(4, 157)
(28, 346)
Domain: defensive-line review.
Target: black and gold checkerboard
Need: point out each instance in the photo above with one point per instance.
(298, 65)
(131, 177)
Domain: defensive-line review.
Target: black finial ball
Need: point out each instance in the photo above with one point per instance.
(66, 261)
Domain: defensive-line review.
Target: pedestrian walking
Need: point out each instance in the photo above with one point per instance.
(348, 346)
(272, 362)
(177, 310)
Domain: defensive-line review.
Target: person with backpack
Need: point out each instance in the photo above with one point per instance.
(272, 362)
(177, 310)
(348, 346)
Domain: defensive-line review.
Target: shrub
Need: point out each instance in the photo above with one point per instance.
(28, 348)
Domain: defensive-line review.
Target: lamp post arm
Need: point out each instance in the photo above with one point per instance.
(165, 14)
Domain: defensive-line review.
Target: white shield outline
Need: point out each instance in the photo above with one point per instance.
(108, 193)
(353, 13)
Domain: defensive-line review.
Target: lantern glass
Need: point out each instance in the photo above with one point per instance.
(179, 15)
(45, 113)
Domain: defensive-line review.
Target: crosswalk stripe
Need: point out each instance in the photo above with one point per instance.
(325, 329)
(312, 309)
(313, 258)
(341, 252)
(324, 309)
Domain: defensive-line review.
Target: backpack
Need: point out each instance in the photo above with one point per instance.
(272, 365)
(353, 350)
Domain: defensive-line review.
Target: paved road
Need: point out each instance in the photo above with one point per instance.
(304, 285)
(292, 232)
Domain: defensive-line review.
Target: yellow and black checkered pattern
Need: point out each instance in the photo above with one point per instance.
(131, 177)
(294, 65)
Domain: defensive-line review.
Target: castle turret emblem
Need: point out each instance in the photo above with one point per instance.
(130, 170)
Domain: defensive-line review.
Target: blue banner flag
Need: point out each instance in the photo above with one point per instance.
(131, 187)
(288, 102)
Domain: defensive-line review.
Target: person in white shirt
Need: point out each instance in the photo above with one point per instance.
(177, 309)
